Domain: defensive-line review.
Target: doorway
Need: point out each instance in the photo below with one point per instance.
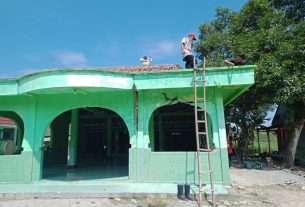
(100, 150)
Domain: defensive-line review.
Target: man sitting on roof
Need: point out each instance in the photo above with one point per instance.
(187, 44)
(239, 60)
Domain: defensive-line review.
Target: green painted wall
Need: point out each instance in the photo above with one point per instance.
(147, 166)
(57, 152)
(16, 168)
(177, 167)
(39, 98)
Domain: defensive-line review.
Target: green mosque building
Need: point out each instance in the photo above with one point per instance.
(133, 124)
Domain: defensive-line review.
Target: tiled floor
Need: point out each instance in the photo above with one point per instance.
(86, 171)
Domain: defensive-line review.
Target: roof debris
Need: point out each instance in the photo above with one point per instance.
(143, 68)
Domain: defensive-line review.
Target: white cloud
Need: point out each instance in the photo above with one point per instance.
(71, 59)
(166, 47)
(162, 49)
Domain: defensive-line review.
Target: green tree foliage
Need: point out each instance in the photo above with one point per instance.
(272, 35)
(294, 9)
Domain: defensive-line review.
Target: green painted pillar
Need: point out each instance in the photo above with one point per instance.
(221, 120)
(140, 120)
(151, 133)
(73, 139)
(222, 144)
(109, 128)
(161, 137)
(30, 122)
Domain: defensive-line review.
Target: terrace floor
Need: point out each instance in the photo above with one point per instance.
(86, 171)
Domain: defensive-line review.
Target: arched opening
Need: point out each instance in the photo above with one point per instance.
(85, 144)
(11, 133)
(172, 128)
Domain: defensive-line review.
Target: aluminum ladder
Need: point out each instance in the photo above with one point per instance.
(201, 126)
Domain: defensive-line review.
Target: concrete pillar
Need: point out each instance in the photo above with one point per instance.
(116, 141)
(109, 145)
(220, 121)
(116, 146)
(140, 120)
(73, 139)
(152, 133)
(161, 134)
(142, 117)
(222, 144)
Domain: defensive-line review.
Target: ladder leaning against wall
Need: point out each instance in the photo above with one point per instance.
(201, 126)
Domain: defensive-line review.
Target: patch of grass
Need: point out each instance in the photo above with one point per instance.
(155, 202)
(263, 140)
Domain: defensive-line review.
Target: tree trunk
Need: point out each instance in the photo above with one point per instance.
(294, 129)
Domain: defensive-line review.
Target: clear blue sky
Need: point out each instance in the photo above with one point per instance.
(41, 34)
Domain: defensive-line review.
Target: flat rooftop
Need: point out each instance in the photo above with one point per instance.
(232, 80)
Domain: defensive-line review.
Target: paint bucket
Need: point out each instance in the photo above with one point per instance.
(248, 165)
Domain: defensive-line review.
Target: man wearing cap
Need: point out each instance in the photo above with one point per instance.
(187, 44)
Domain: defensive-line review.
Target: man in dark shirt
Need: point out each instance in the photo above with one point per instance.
(239, 60)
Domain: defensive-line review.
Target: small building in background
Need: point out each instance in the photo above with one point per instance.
(8, 129)
(279, 124)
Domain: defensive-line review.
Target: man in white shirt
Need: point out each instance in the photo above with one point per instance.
(187, 44)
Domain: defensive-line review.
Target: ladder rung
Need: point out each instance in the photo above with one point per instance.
(202, 133)
(201, 121)
(204, 191)
(202, 99)
(206, 171)
(200, 80)
(205, 150)
(200, 109)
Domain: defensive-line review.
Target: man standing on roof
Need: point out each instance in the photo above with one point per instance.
(187, 44)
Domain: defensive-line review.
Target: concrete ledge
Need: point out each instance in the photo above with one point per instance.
(125, 190)
(60, 195)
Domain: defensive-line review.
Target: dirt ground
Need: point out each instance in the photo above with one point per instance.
(268, 187)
